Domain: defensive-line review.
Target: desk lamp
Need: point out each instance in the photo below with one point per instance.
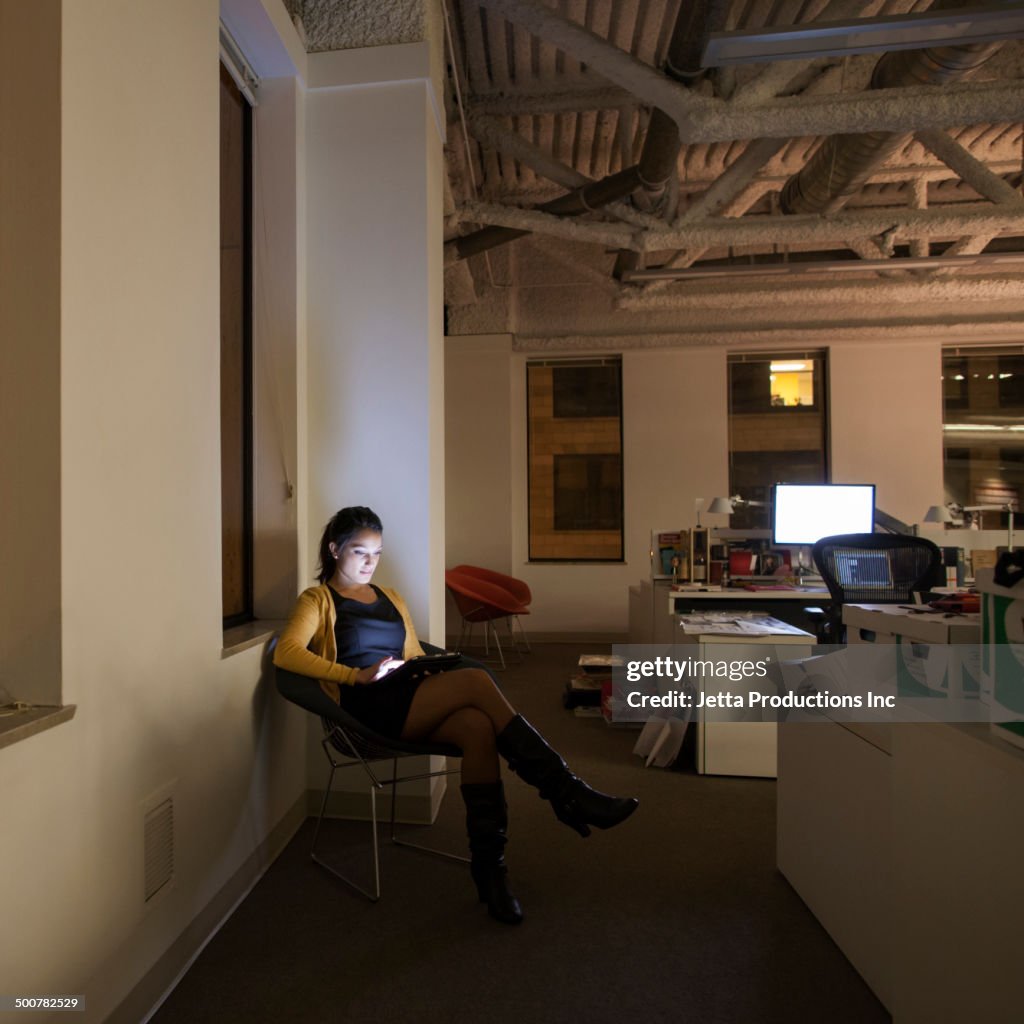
(729, 505)
(953, 512)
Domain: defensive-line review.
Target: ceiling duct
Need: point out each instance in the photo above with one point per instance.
(843, 163)
(658, 158)
(581, 200)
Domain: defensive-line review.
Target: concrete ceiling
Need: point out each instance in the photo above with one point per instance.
(547, 95)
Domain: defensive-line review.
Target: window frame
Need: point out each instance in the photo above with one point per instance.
(247, 612)
(758, 517)
(574, 558)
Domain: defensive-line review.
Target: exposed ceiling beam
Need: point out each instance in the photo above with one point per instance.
(774, 78)
(994, 262)
(988, 329)
(891, 110)
(732, 180)
(596, 52)
(965, 219)
(787, 299)
(491, 132)
(970, 169)
(884, 175)
(937, 27)
(705, 119)
(722, 193)
(919, 247)
(527, 101)
(812, 228)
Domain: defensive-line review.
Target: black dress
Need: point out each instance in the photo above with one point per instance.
(365, 633)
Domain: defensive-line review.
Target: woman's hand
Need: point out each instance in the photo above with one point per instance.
(378, 670)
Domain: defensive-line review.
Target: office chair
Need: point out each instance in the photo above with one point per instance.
(873, 568)
(361, 746)
(479, 600)
(518, 589)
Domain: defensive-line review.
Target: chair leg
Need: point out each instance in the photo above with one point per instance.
(416, 846)
(513, 640)
(374, 896)
(497, 641)
(522, 633)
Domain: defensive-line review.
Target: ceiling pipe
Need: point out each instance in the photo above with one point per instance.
(660, 155)
(652, 172)
(581, 200)
(843, 163)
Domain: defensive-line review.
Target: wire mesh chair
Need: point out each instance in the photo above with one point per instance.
(874, 568)
(362, 747)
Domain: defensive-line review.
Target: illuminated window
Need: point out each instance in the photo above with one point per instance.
(778, 428)
(982, 420)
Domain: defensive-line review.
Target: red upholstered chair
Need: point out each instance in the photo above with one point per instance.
(479, 600)
(519, 589)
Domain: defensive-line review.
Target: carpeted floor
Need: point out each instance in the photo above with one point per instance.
(678, 915)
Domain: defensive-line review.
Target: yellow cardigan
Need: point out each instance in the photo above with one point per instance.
(307, 644)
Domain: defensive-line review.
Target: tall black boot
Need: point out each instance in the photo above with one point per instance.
(574, 802)
(487, 825)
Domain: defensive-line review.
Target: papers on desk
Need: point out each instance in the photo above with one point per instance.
(736, 624)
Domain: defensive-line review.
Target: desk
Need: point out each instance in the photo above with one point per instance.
(892, 624)
(787, 605)
(740, 741)
(904, 841)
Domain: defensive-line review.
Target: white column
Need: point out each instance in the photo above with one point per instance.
(886, 423)
(375, 320)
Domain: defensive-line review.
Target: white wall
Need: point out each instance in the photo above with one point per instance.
(478, 447)
(886, 415)
(675, 451)
(375, 372)
(278, 320)
(158, 706)
(886, 421)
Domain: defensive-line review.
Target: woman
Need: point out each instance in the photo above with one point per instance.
(354, 638)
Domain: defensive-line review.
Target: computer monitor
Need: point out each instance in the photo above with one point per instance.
(804, 513)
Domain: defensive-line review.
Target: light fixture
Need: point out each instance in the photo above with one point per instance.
(1007, 508)
(953, 512)
(865, 35)
(939, 514)
(1006, 428)
(729, 505)
(982, 260)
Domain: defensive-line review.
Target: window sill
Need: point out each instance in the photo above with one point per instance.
(251, 634)
(22, 724)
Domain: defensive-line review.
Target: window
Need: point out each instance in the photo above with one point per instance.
(982, 435)
(778, 429)
(575, 460)
(236, 438)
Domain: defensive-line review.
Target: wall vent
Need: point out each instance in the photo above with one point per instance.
(159, 847)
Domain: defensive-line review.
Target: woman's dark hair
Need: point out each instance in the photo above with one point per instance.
(344, 525)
